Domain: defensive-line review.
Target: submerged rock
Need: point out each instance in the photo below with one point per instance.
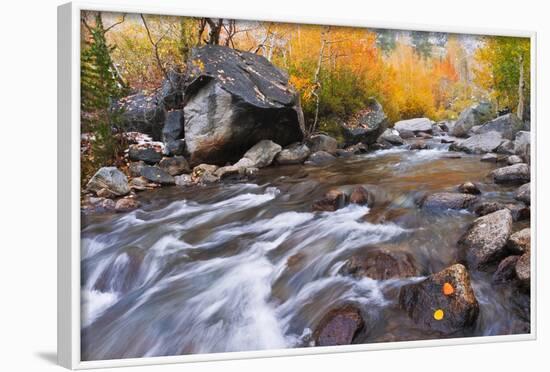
(485, 240)
(233, 100)
(110, 180)
(431, 304)
(296, 153)
(506, 270)
(519, 210)
(469, 188)
(474, 115)
(414, 125)
(517, 173)
(320, 158)
(333, 200)
(361, 196)
(260, 155)
(126, 205)
(380, 265)
(339, 326)
(448, 200)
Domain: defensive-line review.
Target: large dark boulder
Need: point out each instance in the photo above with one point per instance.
(173, 133)
(507, 125)
(142, 112)
(367, 126)
(443, 302)
(339, 326)
(485, 241)
(232, 101)
(470, 117)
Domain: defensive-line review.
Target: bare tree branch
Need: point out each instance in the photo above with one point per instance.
(115, 24)
(155, 49)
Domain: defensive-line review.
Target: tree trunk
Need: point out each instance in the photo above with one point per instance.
(317, 82)
(521, 87)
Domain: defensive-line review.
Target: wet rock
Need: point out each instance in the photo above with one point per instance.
(523, 193)
(446, 126)
(204, 172)
(383, 215)
(110, 179)
(380, 265)
(296, 153)
(260, 155)
(339, 326)
(506, 270)
(469, 188)
(514, 159)
(126, 205)
(406, 134)
(474, 115)
(142, 112)
(172, 133)
(519, 211)
(322, 142)
(523, 270)
(459, 309)
(320, 158)
(391, 137)
(478, 143)
(505, 148)
(233, 100)
(98, 205)
(341, 153)
(359, 148)
(490, 158)
(175, 166)
(448, 140)
(485, 241)
(150, 153)
(448, 200)
(141, 184)
(157, 175)
(520, 242)
(414, 125)
(507, 125)
(368, 126)
(517, 173)
(418, 145)
(333, 200)
(184, 180)
(424, 135)
(361, 196)
(135, 168)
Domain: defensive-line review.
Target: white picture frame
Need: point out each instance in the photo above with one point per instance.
(69, 186)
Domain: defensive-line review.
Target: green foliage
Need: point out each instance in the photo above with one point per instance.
(499, 69)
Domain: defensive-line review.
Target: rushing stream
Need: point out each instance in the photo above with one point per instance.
(248, 265)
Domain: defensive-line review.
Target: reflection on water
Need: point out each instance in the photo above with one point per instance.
(249, 266)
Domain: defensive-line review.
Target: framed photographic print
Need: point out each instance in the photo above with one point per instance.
(235, 186)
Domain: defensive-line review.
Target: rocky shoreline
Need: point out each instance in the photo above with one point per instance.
(211, 126)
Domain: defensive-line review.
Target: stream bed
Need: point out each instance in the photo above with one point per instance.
(247, 265)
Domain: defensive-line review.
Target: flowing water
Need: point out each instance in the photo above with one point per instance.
(248, 265)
